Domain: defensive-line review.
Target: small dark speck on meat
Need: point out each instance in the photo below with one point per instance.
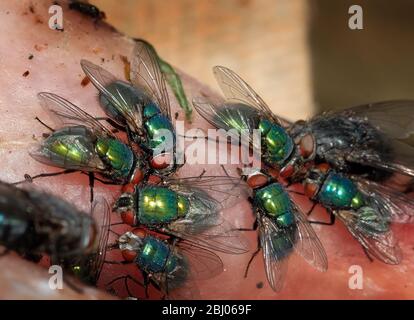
(26, 73)
(259, 285)
(31, 8)
(38, 20)
(103, 60)
(30, 57)
(45, 135)
(7, 12)
(85, 81)
(176, 115)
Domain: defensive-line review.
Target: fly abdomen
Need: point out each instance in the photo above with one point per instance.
(340, 192)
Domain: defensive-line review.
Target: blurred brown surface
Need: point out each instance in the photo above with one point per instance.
(299, 55)
(353, 67)
(264, 41)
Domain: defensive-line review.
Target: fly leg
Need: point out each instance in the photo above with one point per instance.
(91, 184)
(45, 125)
(125, 278)
(254, 254)
(28, 178)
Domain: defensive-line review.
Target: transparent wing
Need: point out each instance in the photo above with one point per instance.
(395, 121)
(237, 119)
(66, 113)
(394, 205)
(236, 89)
(204, 264)
(225, 191)
(122, 100)
(102, 216)
(204, 223)
(381, 245)
(146, 73)
(70, 148)
(275, 257)
(219, 236)
(200, 264)
(307, 243)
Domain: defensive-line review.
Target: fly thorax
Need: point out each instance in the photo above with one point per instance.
(117, 155)
(274, 201)
(153, 255)
(157, 205)
(277, 143)
(340, 192)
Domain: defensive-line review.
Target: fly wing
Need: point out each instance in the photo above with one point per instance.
(197, 263)
(235, 89)
(392, 204)
(122, 101)
(307, 243)
(395, 121)
(68, 114)
(381, 244)
(146, 73)
(225, 191)
(275, 258)
(102, 216)
(236, 118)
(204, 223)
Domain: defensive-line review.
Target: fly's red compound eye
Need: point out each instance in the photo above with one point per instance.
(311, 189)
(161, 161)
(129, 255)
(140, 232)
(137, 177)
(256, 181)
(129, 218)
(287, 171)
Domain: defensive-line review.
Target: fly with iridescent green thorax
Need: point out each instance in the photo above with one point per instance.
(141, 108)
(170, 264)
(369, 140)
(362, 145)
(187, 208)
(81, 143)
(283, 230)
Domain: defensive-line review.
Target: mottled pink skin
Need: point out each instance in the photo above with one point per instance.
(55, 68)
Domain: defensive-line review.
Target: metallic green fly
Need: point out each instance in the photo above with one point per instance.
(81, 143)
(283, 229)
(142, 109)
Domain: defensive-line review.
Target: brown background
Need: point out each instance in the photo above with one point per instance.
(299, 55)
